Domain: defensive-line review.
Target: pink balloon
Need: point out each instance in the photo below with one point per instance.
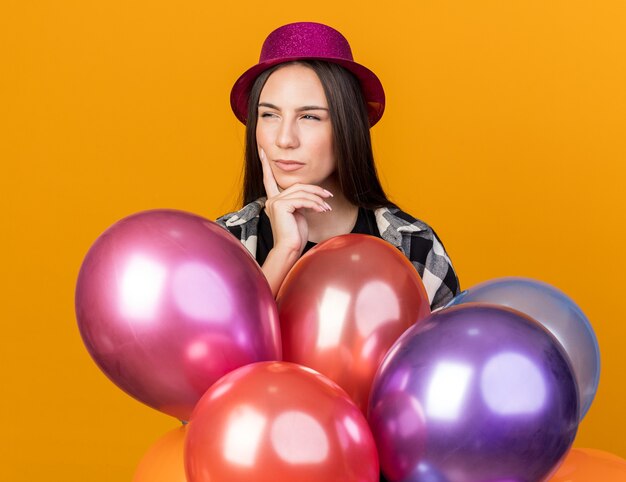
(168, 302)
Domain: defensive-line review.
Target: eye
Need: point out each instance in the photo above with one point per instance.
(310, 116)
(267, 114)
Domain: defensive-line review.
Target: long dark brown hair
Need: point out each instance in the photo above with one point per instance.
(352, 143)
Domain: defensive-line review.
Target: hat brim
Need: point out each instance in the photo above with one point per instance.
(370, 85)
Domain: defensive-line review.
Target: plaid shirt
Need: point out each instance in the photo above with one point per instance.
(414, 238)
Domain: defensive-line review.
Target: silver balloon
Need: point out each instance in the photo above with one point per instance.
(556, 312)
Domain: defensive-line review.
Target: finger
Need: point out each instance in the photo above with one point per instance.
(304, 195)
(271, 188)
(311, 188)
(292, 205)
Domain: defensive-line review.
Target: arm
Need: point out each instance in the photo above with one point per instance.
(289, 227)
(277, 265)
(439, 272)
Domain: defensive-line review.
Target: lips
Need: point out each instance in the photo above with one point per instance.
(288, 165)
(288, 161)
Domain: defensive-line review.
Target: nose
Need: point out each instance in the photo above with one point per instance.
(287, 135)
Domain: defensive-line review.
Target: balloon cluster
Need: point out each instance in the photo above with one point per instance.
(346, 373)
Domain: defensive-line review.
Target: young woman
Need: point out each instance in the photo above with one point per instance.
(309, 169)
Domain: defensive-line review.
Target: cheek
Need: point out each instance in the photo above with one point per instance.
(263, 134)
(261, 137)
(323, 147)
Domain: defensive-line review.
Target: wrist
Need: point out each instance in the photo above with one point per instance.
(277, 264)
(285, 252)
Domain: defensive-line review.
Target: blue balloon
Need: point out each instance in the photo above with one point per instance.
(555, 311)
(474, 393)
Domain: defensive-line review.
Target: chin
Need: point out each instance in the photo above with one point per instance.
(286, 181)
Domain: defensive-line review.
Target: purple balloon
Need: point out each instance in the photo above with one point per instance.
(555, 311)
(168, 302)
(474, 393)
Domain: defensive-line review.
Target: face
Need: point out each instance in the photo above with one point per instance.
(294, 125)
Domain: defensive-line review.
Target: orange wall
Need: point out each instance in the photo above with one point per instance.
(505, 130)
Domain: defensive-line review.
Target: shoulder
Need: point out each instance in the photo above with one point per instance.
(421, 245)
(244, 224)
(245, 215)
(395, 225)
(416, 236)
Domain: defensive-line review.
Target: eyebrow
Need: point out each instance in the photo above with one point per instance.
(299, 109)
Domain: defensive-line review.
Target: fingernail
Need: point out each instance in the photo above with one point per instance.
(329, 193)
(328, 206)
